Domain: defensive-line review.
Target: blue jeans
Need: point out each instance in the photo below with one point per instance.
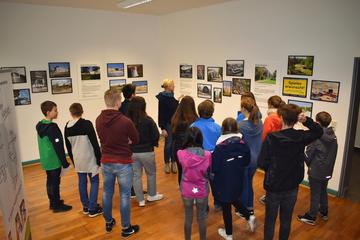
(124, 175)
(286, 201)
(90, 203)
(168, 145)
(247, 195)
(53, 186)
(318, 195)
(201, 204)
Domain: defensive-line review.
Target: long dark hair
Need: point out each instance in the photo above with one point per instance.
(193, 138)
(136, 109)
(185, 112)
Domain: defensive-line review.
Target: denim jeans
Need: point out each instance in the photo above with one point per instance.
(168, 145)
(247, 195)
(227, 216)
(318, 195)
(53, 186)
(124, 175)
(201, 204)
(286, 201)
(90, 203)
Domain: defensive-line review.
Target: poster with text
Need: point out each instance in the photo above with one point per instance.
(89, 81)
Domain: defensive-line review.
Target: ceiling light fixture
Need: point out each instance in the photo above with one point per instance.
(131, 3)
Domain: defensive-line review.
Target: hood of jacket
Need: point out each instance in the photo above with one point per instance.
(165, 94)
(43, 126)
(191, 160)
(73, 126)
(329, 135)
(109, 116)
(248, 129)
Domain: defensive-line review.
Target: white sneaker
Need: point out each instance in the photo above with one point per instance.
(142, 203)
(252, 223)
(222, 233)
(155, 198)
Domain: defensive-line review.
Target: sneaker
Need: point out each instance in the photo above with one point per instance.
(109, 226)
(155, 198)
(252, 223)
(306, 219)
(222, 233)
(173, 167)
(97, 211)
(85, 210)
(61, 208)
(217, 207)
(263, 199)
(251, 212)
(167, 168)
(128, 232)
(323, 216)
(142, 203)
(51, 206)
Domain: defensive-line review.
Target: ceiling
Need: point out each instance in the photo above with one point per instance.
(156, 7)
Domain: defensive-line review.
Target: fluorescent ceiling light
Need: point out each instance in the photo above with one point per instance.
(131, 3)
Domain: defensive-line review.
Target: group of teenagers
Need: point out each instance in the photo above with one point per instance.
(206, 156)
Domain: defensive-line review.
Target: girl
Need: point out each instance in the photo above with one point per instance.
(196, 163)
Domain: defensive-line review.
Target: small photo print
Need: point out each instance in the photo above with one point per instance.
(59, 86)
(18, 74)
(200, 72)
(215, 74)
(305, 106)
(90, 72)
(185, 71)
(22, 97)
(227, 88)
(117, 84)
(241, 85)
(300, 65)
(217, 95)
(326, 91)
(115, 70)
(141, 86)
(135, 70)
(38, 81)
(59, 69)
(235, 68)
(204, 90)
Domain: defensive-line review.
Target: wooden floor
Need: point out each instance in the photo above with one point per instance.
(164, 219)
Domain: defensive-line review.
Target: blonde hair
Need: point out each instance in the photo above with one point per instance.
(111, 96)
(167, 82)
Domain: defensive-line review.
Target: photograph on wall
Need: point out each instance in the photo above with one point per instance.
(217, 95)
(38, 81)
(296, 87)
(141, 86)
(227, 88)
(117, 84)
(235, 68)
(59, 86)
(241, 85)
(18, 74)
(59, 69)
(90, 72)
(305, 106)
(215, 74)
(204, 90)
(115, 70)
(300, 65)
(135, 70)
(22, 96)
(200, 72)
(185, 71)
(327, 91)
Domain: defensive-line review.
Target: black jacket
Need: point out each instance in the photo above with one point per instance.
(149, 136)
(282, 156)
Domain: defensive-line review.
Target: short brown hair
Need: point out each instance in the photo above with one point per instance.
(229, 125)
(324, 118)
(76, 109)
(111, 96)
(47, 106)
(206, 109)
(290, 114)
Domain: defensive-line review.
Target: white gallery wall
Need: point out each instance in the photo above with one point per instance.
(251, 30)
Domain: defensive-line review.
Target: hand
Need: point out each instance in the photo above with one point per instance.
(301, 118)
(180, 97)
(164, 133)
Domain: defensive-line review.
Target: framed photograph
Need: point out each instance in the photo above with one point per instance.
(90, 72)
(135, 70)
(204, 90)
(185, 71)
(59, 69)
(115, 70)
(327, 91)
(235, 68)
(300, 65)
(18, 74)
(141, 86)
(305, 106)
(59, 86)
(200, 72)
(296, 87)
(217, 95)
(215, 74)
(22, 96)
(38, 81)
(241, 85)
(227, 88)
(117, 84)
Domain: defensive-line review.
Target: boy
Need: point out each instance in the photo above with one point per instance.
(320, 158)
(83, 149)
(282, 158)
(116, 132)
(52, 155)
(128, 92)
